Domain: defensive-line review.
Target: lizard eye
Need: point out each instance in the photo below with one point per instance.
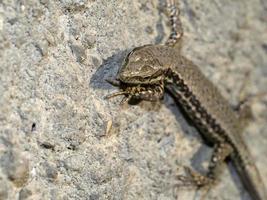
(147, 68)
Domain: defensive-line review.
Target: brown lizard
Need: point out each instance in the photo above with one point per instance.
(151, 69)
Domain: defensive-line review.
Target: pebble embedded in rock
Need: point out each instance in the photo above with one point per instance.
(17, 168)
(79, 52)
(24, 194)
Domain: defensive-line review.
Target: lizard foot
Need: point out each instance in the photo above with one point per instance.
(195, 179)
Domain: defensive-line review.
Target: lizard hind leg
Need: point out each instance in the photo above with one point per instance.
(220, 153)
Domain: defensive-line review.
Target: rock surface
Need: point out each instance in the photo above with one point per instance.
(59, 139)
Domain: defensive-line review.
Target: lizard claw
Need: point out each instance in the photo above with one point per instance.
(113, 82)
(187, 179)
(193, 178)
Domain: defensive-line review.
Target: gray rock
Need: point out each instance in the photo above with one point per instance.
(3, 190)
(59, 137)
(16, 167)
(51, 171)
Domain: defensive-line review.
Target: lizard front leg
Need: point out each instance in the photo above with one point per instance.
(220, 153)
(149, 93)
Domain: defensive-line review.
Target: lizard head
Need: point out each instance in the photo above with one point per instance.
(142, 66)
(142, 74)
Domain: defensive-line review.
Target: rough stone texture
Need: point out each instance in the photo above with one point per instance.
(59, 139)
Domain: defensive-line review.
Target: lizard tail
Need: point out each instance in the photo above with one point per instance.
(250, 177)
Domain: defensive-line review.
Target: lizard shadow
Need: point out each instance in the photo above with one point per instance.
(108, 69)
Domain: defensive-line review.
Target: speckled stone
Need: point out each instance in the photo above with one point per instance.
(59, 137)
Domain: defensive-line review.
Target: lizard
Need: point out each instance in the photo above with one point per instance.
(150, 70)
